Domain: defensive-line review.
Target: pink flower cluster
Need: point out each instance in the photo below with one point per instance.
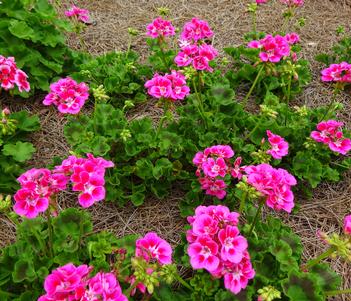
(170, 86)
(87, 176)
(196, 30)
(10, 75)
(67, 95)
(213, 165)
(152, 247)
(337, 73)
(81, 14)
(261, 1)
(329, 133)
(347, 224)
(292, 3)
(215, 244)
(74, 284)
(193, 50)
(160, 28)
(274, 184)
(37, 187)
(274, 49)
(279, 147)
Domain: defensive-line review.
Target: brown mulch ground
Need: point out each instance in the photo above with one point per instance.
(229, 20)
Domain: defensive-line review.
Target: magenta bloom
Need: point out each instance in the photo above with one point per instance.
(214, 187)
(62, 282)
(279, 147)
(196, 30)
(233, 244)
(273, 183)
(273, 49)
(215, 244)
(292, 38)
(103, 286)
(329, 133)
(239, 276)
(160, 28)
(203, 254)
(10, 75)
(82, 15)
(37, 187)
(291, 3)
(170, 86)
(347, 224)
(215, 167)
(261, 1)
(237, 170)
(151, 246)
(67, 95)
(337, 73)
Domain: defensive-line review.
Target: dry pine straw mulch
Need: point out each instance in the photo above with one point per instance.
(330, 202)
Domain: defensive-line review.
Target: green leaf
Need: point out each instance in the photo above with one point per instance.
(21, 151)
(21, 30)
(163, 167)
(144, 168)
(23, 270)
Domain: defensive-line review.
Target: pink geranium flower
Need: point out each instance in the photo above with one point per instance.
(151, 246)
(272, 49)
(67, 95)
(170, 86)
(337, 73)
(196, 30)
(160, 28)
(279, 147)
(239, 275)
(347, 224)
(10, 75)
(214, 187)
(261, 1)
(328, 133)
(215, 167)
(82, 15)
(203, 254)
(291, 3)
(273, 183)
(233, 244)
(215, 244)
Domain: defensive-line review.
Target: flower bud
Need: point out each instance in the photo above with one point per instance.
(6, 111)
(100, 93)
(5, 203)
(133, 31)
(269, 293)
(125, 134)
(163, 11)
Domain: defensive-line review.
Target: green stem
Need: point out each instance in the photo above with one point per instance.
(183, 282)
(162, 120)
(242, 202)
(253, 130)
(327, 112)
(200, 104)
(259, 209)
(289, 91)
(254, 23)
(163, 57)
(253, 86)
(322, 256)
(338, 292)
(50, 231)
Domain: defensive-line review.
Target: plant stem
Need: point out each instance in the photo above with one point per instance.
(259, 209)
(338, 292)
(322, 256)
(242, 202)
(183, 282)
(253, 86)
(200, 104)
(163, 58)
(254, 23)
(326, 114)
(165, 111)
(50, 231)
(254, 129)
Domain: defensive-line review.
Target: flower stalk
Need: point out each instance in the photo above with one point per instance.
(253, 86)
